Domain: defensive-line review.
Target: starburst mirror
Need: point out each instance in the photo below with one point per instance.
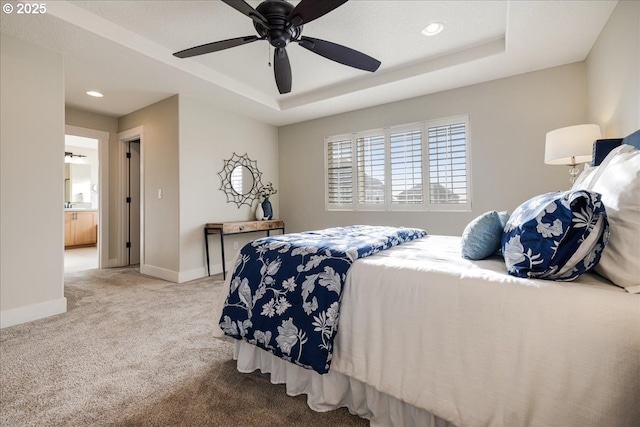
(241, 180)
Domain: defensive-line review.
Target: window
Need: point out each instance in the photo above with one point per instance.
(340, 172)
(406, 167)
(448, 176)
(370, 170)
(383, 169)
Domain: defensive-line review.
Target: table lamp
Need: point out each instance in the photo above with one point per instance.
(571, 146)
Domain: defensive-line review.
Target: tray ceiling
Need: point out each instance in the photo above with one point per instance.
(123, 49)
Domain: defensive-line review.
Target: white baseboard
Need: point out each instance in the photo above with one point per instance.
(111, 262)
(183, 276)
(160, 273)
(196, 273)
(29, 313)
(216, 268)
(175, 276)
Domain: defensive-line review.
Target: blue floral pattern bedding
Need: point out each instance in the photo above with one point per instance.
(556, 236)
(285, 290)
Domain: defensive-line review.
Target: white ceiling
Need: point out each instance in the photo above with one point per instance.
(123, 49)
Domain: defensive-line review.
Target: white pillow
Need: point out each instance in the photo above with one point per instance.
(618, 180)
(584, 179)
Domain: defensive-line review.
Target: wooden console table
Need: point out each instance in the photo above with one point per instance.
(237, 227)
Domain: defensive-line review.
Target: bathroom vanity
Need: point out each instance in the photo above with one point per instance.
(80, 228)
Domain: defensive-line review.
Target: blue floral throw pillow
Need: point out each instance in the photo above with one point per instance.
(556, 236)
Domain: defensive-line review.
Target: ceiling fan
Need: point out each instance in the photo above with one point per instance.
(280, 23)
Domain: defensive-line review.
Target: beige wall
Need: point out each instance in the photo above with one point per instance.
(159, 170)
(208, 136)
(32, 138)
(508, 120)
(184, 146)
(613, 70)
(89, 120)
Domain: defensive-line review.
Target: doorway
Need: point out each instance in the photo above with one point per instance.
(81, 178)
(132, 245)
(86, 198)
(131, 197)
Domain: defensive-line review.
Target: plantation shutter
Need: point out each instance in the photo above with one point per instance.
(340, 172)
(448, 164)
(422, 166)
(370, 161)
(406, 167)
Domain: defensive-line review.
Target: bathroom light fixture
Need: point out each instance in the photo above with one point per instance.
(433, 29)
(571, 146)
(94, 94)
(69, 157)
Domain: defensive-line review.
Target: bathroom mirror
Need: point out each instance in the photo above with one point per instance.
(241, 180)
(77, 183)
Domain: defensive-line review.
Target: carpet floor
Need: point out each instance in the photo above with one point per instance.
(133, 350)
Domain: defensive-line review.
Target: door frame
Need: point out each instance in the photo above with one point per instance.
(103, 188)
(136, 133)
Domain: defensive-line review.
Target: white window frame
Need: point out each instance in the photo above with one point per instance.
(389, 206)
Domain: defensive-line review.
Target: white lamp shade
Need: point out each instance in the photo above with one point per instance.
(571, 145)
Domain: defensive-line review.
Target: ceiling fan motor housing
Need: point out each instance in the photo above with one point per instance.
(280, 31)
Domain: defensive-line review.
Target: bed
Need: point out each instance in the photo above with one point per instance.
(429, 338)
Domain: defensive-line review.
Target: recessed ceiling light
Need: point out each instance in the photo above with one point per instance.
(95, 94)
(433, 29)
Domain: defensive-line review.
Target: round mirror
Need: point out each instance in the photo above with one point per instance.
(242, 180)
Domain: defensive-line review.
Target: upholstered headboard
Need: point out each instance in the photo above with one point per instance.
(601, 147)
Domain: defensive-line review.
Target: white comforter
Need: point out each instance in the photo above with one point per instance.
(475, 346)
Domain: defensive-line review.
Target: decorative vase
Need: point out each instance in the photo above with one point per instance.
(267, 209)
(259, 212)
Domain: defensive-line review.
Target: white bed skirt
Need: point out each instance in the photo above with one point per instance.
(334, 390)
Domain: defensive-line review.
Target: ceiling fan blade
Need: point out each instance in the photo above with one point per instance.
(215, 46)
(282, 70)
(339, 53)
(246, 9)
(308, 10)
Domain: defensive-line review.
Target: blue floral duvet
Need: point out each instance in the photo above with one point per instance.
(285, 290)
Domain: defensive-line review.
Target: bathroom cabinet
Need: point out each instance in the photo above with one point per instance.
(80, 228)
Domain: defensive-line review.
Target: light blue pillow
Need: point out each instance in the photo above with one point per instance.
(504, 217)
(556, 236)
(481, 237)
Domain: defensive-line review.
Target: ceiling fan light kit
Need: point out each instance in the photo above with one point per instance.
(280, 23)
